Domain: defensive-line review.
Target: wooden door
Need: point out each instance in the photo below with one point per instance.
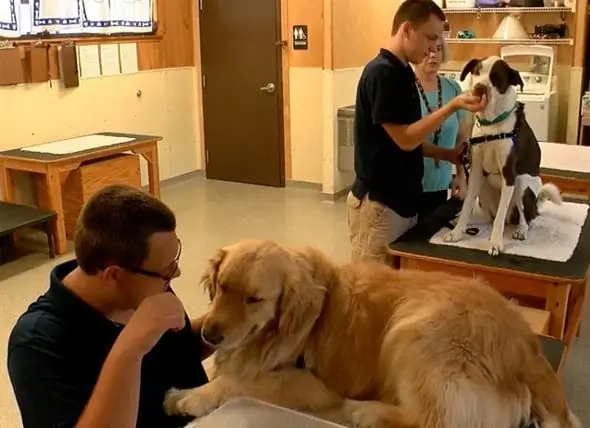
(242, 100)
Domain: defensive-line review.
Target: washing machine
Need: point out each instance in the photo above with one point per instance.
(539, 95)
(454, 75)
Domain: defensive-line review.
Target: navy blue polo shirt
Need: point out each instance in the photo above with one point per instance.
(387, 94)
(57, 349)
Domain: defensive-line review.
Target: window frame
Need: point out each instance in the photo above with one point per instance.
(46, 37)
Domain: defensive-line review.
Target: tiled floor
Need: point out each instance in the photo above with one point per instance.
(212, 214)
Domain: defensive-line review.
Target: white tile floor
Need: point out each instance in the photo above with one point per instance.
(212, 214)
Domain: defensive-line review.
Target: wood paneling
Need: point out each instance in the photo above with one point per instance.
(310, 13)
(359, 31)
(172, 46)
(176, 28)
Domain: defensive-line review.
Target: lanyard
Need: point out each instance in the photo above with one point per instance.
(437, 133)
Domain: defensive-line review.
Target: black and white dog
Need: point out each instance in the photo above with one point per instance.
(505, 156)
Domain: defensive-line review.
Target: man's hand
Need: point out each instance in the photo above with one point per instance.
(468, 101)
(455, 155)
(154, 316)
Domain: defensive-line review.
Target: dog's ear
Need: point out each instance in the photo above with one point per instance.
(209, 280)
(472, 67)
(302, 298)
(515, 79)
(502, 76)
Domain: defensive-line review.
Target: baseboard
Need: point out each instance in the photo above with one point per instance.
(290, 183)
(304, 185)
(333, 197)
(199, 173)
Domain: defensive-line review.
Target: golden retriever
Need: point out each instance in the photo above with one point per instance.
(399, 349)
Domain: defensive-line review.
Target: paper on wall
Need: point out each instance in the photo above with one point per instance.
(128, 54)
(78, 144)
(89, 59)
(109, 60)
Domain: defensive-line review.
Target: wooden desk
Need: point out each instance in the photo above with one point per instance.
(560, 166)
(54, 169)
(559, 288)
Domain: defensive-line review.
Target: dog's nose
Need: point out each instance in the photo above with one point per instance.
(480, 90)
(212, 335)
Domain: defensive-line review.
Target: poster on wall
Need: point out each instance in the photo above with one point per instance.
(300, 39)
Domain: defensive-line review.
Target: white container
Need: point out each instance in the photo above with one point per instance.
(460, 4)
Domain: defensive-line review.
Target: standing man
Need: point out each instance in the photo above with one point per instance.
(109, 338)
(390, 131)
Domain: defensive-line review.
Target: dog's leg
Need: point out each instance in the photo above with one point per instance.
(522, 229)
(473, 187)
(497, 239)
(292, 388)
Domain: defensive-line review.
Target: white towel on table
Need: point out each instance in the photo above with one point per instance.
(553, 235)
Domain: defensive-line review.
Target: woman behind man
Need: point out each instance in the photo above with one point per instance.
(435, 91)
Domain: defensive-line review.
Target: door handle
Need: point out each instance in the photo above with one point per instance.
(270, 88)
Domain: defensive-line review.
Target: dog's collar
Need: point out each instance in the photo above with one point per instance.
(501, 118)
(494, 137)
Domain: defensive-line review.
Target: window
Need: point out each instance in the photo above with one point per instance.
(34, 18)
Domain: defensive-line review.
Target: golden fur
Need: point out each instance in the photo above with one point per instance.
(399, 349)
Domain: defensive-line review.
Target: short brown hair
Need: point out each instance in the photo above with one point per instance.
(416, 12)
(115, 226)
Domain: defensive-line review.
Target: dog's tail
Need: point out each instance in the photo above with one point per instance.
(550, 192)
(548, 405)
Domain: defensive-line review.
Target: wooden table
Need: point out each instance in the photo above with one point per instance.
(54, 169)
(560, 165)
(559, 288)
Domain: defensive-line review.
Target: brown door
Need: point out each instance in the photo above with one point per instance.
(242, 102)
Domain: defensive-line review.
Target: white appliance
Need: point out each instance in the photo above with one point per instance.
(454, 75)
(539, 93)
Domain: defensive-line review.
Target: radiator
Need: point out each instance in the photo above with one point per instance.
(345, 136)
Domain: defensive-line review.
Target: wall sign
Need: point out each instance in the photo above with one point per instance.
(300, 40)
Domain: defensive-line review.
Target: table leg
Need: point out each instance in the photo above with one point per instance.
(558, 295)
(150, 154)
(48, 228)
(7, 183)
(53, 181)
(8, 193)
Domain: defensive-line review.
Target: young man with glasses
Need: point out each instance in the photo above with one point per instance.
(103, 345)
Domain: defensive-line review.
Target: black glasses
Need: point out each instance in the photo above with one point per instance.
(151, 274)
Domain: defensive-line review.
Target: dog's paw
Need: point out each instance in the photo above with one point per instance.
(188, 402)
(495, 247)
(454, 235)
(521, 233)
(171, 400)
(362, 414)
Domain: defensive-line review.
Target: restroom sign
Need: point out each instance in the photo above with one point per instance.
(300, 39)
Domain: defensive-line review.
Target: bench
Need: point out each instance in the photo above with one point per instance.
(14, 217)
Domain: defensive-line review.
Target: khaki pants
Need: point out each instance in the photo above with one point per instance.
(373, 227)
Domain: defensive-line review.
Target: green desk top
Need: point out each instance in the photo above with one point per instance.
(14, 217)
(415, 242)
(50, 157)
